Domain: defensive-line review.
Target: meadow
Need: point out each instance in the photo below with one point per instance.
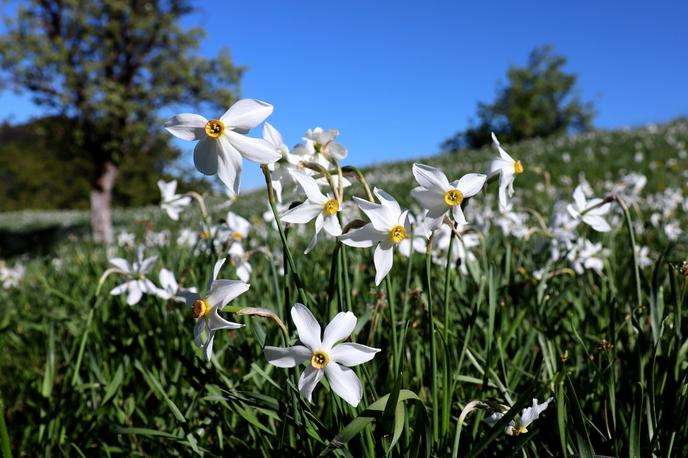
(471, 326)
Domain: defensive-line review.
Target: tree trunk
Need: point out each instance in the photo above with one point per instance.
(101, 200)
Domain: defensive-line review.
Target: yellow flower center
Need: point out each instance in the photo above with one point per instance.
(201, 308)
(331, 207)
(319, 359)
(236, 235)
(453, 197)
(397, 234)
(214, 128)
(520, 430)
(518, 167)
(204, 235)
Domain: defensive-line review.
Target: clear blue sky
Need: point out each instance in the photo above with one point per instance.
(396, 78)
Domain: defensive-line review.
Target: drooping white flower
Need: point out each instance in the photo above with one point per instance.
(322, 208)
(520, 424)
(240, 261)
(137, 283)
(221, 143)
(327, 357)
(507, 168)
(280, 171)
(206, 309)
(438, 196)
(172, 202)
(589, 211)
(170, 288)
(389, 226)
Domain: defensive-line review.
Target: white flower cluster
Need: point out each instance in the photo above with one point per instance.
(11, 277)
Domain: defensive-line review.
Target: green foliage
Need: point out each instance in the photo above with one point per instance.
(538, 100)
(109, 66)
(40, 167)
(85, 373)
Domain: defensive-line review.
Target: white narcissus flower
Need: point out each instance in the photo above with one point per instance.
(238, 227)
(389, 226)
(418, 240)
(527, 416)
(170, 288)
(587, 255)
(317, 205)
(322, 141)
(280, 170)
(507, 168)
(327, 357)
(11, 277)
(126, 239)
(438, 196)
(240, 261)
(205, 309)
(172, 202)
(582, 210)
(137, 284)
(221, 143)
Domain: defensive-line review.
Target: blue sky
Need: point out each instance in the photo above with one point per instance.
(397, 78)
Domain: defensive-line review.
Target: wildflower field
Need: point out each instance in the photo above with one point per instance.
(530, 302)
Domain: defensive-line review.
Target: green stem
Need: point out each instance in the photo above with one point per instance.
(345, 273)
(433, 347)
(446, 368)
(361, 179)
(447, 274)
(283, 237)
(393, 319)
(631, 236)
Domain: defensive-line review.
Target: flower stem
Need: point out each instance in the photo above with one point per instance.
(393, 319)
(283, 237)
(433, 347)
(446, 367)
(631, 236)
(447, 275)
(361, 179)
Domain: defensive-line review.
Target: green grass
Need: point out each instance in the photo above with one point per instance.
(82, 373)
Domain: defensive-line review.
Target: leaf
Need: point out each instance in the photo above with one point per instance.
(157, 388)
(146, 432)
(399, 418)
(4, 436)
(113, 386)
(365, 418)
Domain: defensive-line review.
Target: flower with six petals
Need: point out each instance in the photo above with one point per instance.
(326, 356)
(222, 143)
(389, 226)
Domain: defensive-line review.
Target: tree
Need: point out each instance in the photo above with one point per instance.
(37, 155)
(109, 66)
(538, 100)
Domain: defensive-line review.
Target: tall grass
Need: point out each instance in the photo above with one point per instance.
(84, 374)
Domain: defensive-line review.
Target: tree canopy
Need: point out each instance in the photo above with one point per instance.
(538, 100)
(41, 168)
(109, 67)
